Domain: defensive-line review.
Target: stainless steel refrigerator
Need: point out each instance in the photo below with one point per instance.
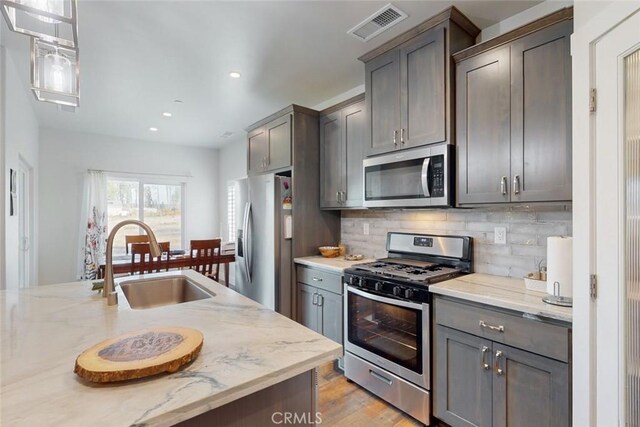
(263, 240)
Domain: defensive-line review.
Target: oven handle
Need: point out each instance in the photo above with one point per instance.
(425, 177)
(384, 299)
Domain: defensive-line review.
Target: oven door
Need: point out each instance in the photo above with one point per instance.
(414, 178)
(389, 333)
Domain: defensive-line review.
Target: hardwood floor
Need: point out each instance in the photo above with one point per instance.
(346, 404)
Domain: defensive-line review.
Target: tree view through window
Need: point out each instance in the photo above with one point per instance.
(158, 205)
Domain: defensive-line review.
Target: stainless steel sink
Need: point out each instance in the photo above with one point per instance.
(159, 291)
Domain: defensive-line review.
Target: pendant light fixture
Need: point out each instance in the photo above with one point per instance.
(54, 73)
(54, 21)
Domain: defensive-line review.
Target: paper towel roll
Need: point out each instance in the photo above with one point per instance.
(560, 264)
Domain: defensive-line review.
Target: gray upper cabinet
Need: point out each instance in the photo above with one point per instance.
(382, 83)
(409, 86)
(484, 141)
(422, 90)
(342, 138)
(269, 146)
(513, 115)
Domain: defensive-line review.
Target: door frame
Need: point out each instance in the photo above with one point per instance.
(586, 35)
(26, 199)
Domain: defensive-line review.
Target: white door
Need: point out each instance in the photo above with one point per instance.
(617, 224)
(25, 224)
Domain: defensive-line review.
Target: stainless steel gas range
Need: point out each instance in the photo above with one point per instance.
(387, 317)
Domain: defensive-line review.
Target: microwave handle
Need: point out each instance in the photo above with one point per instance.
(425, 176)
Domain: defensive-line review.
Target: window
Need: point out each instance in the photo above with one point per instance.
(159, 204)
(231, 211)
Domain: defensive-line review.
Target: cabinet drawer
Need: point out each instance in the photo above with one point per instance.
(537, 337)
(321, 279)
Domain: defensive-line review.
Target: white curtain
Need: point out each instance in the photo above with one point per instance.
(93, 226)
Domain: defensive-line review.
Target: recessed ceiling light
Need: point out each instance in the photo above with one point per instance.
(152, 129)
(167, 114)
(234, 75)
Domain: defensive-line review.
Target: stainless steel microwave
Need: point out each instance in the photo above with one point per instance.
(416, 178)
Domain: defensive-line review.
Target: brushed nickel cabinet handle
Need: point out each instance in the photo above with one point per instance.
(497, 367)
(320, 300)
(317, 279)
(516, 184)
(483, 363)
(498, 328)
(344, 196)
(503, 185)
(314, 301)
(338, 196)
(402, 136)
(395, 138)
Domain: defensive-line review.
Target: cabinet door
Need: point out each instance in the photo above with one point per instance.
(279, 143)
(462, 389)
(307, 308)
(483, 128)
(354, 131)
(331, 313)
(422, 83)
(382, 85)
(541, 115)
(257, 152)
(530, 390)
(332, 171)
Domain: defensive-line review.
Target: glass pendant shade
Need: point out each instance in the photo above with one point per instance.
(54, 73)
(51, 20)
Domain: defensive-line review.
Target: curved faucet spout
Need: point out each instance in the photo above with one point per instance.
(108, 290)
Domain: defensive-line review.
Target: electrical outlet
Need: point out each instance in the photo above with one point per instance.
(365, 228)
(500, 235)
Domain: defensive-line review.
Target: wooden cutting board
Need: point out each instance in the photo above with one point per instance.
(139, 354)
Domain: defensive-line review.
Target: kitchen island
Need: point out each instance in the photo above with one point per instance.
(248, 351)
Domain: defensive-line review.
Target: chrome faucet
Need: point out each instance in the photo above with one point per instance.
(108, 290)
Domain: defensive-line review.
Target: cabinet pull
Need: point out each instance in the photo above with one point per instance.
(338, 196)
(402, 136)
(343, 196)
(395, 138)
(498, 369)
(503, 185)
(483, 363)
(516, 184)
(380, 377)
(317, 279)
(498, 328)
(314, 301)
(320, 300)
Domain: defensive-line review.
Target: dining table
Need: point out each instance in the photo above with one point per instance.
(180, 261)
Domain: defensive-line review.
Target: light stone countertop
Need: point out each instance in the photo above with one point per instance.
(334, 265)
(503, 292)
(247, 348)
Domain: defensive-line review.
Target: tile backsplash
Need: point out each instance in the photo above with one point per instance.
(527, 232)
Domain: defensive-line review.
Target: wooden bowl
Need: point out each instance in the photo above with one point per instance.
(329, 251)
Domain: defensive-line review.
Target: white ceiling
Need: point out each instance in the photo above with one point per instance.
(138, 56)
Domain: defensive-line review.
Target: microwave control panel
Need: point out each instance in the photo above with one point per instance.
(437, 176)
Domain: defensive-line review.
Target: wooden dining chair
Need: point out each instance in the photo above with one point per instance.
(205, 257)
(142, 262)
(134, 238)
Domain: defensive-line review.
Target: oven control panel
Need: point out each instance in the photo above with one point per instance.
(389, 288)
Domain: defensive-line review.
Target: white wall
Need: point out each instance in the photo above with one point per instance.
(65, 156)
(21, 141)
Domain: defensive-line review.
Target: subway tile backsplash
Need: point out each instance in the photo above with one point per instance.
(527, 232)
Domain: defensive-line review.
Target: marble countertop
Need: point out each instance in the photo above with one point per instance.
(247, 348)
(334, 265)
(504, 292)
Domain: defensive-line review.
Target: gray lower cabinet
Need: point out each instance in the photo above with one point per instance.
(342, 140)
(481, 380)
(513, 119)
(319, 305)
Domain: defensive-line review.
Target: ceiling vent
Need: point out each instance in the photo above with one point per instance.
(380, 21)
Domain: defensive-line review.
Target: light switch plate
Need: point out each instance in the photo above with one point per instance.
(500, 235)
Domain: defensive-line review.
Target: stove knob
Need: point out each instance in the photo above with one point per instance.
(361, 282)
(353, 280)
(378, 286)
(408, 293)
(397, 291)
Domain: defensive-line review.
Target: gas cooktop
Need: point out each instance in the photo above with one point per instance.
(412, 270)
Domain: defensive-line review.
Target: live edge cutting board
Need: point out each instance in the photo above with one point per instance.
(139, 354)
